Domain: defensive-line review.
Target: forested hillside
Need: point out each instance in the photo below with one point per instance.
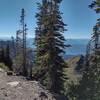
(50, 66)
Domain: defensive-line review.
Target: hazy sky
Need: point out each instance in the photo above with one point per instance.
(76, 14)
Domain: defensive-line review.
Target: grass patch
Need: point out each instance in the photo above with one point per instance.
(3, 66)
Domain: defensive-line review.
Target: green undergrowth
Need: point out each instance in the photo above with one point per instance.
(3, 66)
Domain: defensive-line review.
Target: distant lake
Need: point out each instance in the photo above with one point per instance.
(78, 46)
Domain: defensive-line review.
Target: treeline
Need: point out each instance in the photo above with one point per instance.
(46, 63)
(5, 54)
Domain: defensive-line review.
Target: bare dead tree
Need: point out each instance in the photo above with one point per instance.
(21, 44)
(24, 29)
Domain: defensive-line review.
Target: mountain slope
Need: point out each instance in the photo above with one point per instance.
(72, 74)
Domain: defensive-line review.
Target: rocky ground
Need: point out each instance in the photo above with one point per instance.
(18, 88)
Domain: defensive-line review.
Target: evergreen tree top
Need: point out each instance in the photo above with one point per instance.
(95, 5)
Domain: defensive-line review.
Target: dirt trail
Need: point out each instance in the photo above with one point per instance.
(18, 88)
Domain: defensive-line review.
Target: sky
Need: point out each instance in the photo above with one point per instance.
(76, 14)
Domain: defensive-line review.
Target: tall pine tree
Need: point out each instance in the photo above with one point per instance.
(49, 45)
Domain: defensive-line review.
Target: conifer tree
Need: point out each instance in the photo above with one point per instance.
(2, 54)
(8, 60)
(95, 5)
(89, 88)
(89, 85)
(13, 48)
(50, 45)
(80, 64)
(17, 62)
(87, 57)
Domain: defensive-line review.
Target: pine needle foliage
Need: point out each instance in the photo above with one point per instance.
(50, 45)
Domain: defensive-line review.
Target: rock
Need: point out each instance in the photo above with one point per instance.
(18, 88)
(9, 73)
(13, 84)
(6, 94)
(43, 95)
(1, 70)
